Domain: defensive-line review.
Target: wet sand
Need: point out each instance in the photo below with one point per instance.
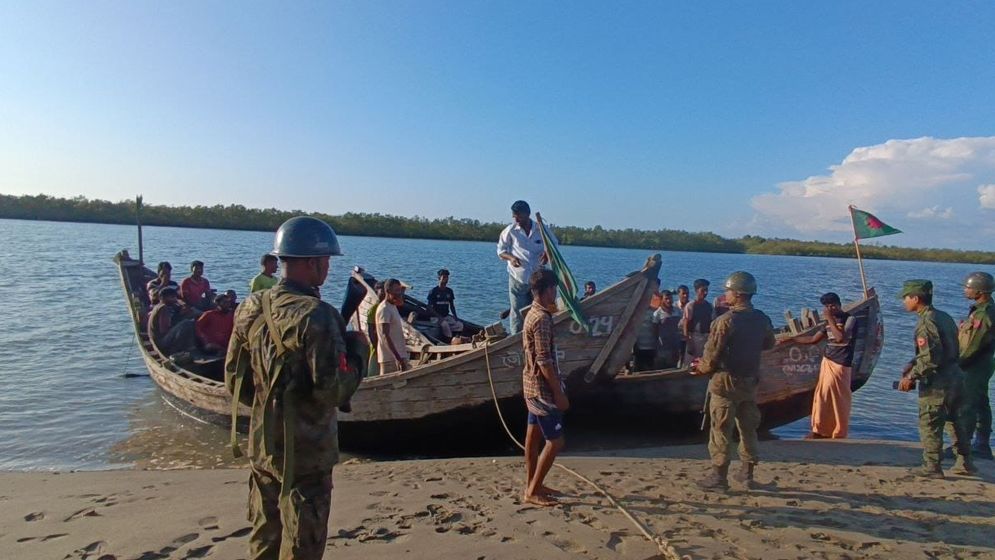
(819, 499)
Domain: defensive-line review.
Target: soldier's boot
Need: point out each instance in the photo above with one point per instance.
(718, 480)
(744, 476)
(927, 471)
(964, 465)
(981, 448)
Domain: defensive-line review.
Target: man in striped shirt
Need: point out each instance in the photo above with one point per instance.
(545, 394)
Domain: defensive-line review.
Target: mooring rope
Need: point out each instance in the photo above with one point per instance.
(668, 551)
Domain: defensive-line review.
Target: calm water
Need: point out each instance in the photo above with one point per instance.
(66, 342)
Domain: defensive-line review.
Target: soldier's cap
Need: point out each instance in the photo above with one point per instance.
(916, 288)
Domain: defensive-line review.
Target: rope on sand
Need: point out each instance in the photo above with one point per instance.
(666, 549)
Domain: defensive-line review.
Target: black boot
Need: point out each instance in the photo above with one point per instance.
(718, 480)
(981, 448)
(744, 476)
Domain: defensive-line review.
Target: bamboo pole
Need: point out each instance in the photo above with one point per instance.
(856, 244)
(138, 219)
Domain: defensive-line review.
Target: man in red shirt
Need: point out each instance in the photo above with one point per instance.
(214, 326)
(196, 290)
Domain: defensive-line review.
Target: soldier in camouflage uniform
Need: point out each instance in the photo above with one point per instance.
(292, 347)
(977, 359)
(732, 357)
(940, 380)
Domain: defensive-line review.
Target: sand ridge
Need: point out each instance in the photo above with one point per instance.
(817, 500)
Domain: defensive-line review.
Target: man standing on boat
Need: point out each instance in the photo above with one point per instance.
(732, 358)
(292, 347)
(520, 245)
(941, 383)
(977, 358)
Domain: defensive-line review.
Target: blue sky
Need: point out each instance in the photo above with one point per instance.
(764, 117)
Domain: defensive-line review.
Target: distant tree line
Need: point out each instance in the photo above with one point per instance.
(238, 217)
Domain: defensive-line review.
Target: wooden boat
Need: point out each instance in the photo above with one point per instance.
(448, 393)
(672, 399)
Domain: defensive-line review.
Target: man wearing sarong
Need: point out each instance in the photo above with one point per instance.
(832, 399)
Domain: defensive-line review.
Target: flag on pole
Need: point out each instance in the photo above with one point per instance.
(866, 225)
(565, 283)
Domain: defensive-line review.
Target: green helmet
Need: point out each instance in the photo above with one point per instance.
(305, 236)
(742, 282)
(980, 281)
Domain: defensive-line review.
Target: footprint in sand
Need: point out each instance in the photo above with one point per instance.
(35, 516)
(208, 523)
(85, 512)
(89, 552)
(235, 534)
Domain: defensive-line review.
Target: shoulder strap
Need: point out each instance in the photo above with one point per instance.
(267, 314)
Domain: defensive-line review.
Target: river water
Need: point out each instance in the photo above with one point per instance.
(66, 342)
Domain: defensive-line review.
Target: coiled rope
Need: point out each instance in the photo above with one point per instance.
(666, 549)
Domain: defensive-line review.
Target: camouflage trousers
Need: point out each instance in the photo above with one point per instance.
(934, 413)
(736, 409)
(294, 527)
(976, 398)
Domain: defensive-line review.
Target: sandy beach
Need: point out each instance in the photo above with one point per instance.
(819, 499)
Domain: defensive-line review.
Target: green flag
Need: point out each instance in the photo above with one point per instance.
(866, 225)
(565, 283)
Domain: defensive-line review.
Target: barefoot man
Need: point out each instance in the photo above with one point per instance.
(543, 388)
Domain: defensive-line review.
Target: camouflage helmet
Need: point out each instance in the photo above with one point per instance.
(980, 281)
(741, 282)
(305, 236)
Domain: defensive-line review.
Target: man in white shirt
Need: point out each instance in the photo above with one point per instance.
(520, 244)
(392, 351)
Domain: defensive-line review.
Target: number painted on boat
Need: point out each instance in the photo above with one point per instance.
(801, 361)
(600, 326)
(515, 360)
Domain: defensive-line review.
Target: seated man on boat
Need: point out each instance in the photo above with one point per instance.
(196, 289)
(214, 326)
(589, 290)
(442, 302)
(265, 279)
(171, 326)
(164, 278)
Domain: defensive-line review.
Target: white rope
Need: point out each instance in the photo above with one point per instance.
(666, 549)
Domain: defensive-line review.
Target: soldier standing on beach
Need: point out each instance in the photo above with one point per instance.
(732, 357)
(941, 382)
(293, 348)
(977, 358)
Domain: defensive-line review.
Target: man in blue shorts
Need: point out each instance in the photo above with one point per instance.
(545, 394)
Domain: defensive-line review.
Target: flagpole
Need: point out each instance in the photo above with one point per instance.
(856, 243)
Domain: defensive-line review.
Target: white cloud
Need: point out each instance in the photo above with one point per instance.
(925, 178)
(986, 196)
(932, 213)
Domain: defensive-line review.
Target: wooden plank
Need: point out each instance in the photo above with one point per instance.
(592, 372)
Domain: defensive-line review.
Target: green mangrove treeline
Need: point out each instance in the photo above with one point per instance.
(235, 216)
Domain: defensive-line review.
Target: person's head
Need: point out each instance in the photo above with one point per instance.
(740, 287)
(667, 299)
(978, 285)
(224, 303)
(269, 263)
(168, 295)
(196, 269)
(521, 212)
(304, 245)
(378, 289)
(683, 293)
(589, 288)
(164, 270)
(394, 291)
(233, 296)
(700, 288)
(543, 286)
(831, 301)
(916, 294)
(443, 275)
